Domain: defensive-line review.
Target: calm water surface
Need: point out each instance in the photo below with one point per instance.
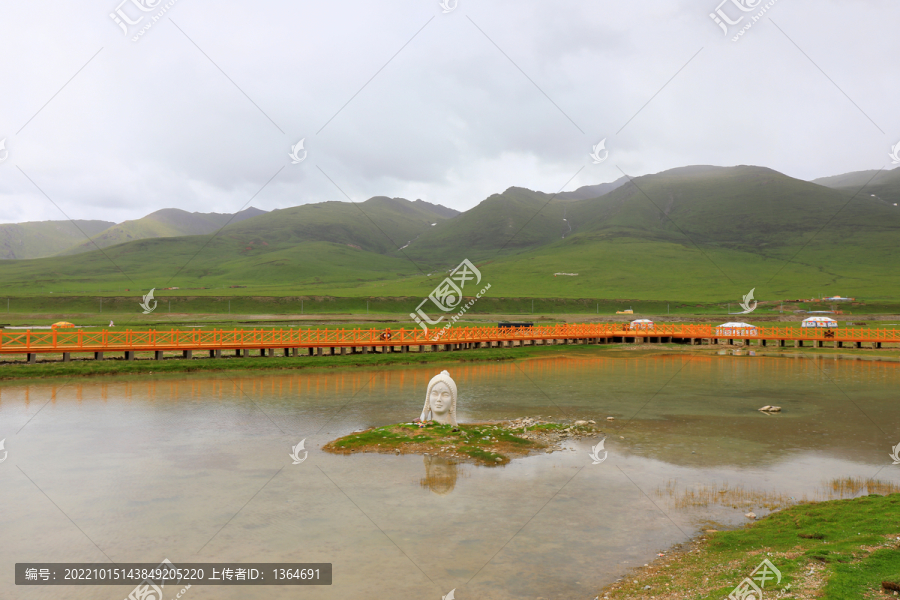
(196, 469)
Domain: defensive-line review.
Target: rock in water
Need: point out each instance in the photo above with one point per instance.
(750, 515)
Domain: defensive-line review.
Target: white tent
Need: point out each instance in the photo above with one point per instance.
(642, 324)
(736, 329)
(819, 322)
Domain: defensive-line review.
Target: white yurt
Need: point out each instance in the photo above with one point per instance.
(819, 322)
(642, 324)
(736, 329)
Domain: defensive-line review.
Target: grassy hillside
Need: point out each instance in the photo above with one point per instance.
(586, 192)
(333, 242)
(379, 225)
(168, 222)
(704, 234)
(45, 238)
(884, 185)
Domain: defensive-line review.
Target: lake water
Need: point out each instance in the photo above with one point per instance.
(196, 468)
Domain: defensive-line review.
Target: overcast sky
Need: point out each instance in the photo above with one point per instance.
(398, 98)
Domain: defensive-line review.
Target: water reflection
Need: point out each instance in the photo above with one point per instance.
(440, 474)
(154, 466)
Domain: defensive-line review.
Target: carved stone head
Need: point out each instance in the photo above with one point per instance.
(440, 400)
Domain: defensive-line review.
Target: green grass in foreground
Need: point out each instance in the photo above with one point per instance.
(840, 550)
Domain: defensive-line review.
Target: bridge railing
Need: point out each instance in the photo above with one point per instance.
(88, 341)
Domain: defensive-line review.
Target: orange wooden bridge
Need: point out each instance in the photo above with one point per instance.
(320, 342)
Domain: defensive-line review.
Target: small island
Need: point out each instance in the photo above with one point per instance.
(491, 443)
(437, 433)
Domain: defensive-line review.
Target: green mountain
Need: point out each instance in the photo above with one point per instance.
(593, 191)
(882, 185)
(699, 233)
(168, 222)
(308, 244)
(37, 239)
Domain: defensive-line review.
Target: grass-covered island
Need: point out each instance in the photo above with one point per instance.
(481, 443)
(835, 550)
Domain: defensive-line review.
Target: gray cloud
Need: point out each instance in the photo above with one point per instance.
(450, 119)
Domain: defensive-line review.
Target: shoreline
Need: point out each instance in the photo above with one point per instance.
(19, 370)
(831, 549)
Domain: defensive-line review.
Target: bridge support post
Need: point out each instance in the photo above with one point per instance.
(876, 345)
(237, 352)
(212, 353)
(295, 351)
(98, 356)
(129, 355)
(762, 343)
(320, 351)
(820, 344)
(838, 344)
(188, 354)
(782, 343)
(217, 353)
(404, 349)
(798, 343)
(287, 352)
(157, 354)
(31, 358)
(67, 356)
(365, 350)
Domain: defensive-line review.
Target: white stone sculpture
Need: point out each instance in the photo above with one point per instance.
(440, 400)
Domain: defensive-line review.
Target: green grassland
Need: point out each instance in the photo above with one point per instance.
(168, 222)
(696, 235)
(484, 443)
(837, 550)
(44, 238)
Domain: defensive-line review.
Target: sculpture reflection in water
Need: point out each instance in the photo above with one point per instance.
(440, 474)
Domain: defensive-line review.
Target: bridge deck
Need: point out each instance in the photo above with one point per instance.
(72, 341)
